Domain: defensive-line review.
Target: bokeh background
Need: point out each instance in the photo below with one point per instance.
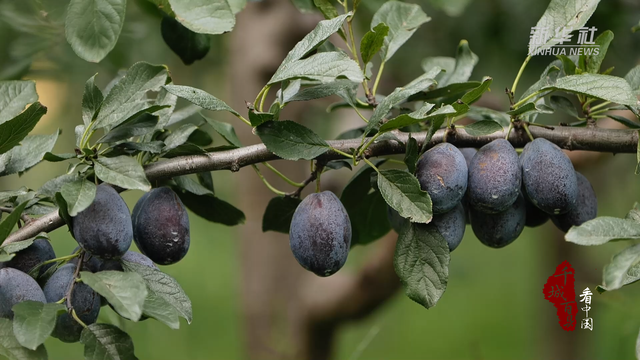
(493, 307)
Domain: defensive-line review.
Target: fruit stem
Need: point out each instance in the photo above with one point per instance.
(342, 153)
(73, 283)
(378, 76)
(243, 119)
(509, 130)
(281, 175)
(520, 72)
(526, 128)
(76, 318)
(273, 189)
(371, 164)
(596, 107)
(264, 96)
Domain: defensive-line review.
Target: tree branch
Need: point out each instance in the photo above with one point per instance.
(592, 139)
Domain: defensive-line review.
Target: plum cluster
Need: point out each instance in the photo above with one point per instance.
(500, 192)
(104, 232)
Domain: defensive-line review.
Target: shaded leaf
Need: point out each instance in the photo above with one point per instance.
(28, 154)
(106, 342)
(373, 41)
(412, 154)
(14, 96)
(481, 128)
(212, 208)
(278, 214)
(34, 321)
(159, 309)
(16, 129)
(188, 45)
(291, 141)
(122, 171)
(602, 230)
(11, 348)
(139, 125)
(91, 100)
(226, 130)
(10, 221)
(205, 16)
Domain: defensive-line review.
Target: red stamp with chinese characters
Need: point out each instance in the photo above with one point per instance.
(560, 291)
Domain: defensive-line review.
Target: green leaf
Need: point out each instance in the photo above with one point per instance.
(11, 348)
(79, 195)
(163, 286)
(448, 91)
(34, 321)
(138, 125)
(257, 118)
(125, 291)
(594, 61)
(414, 118)
(304, 6)
(54, 185)
(16, 129)
(127, 94)
(18, 246)
(122, 171)
(475, 94)
(190, 185)
(568, 15)
(7, 195)
(403, 20)
(159, 309)
(412, 154)
(346, 89)
(106, 342)
(402, 192)
(188, 45)
(183, 150)
(91, 100)
(564, 104)
(399, 95)
(200, 98)
(568, 65)
(480, 113)
(28, 154)
(312, 40)
(326, 8)
(10, 221)
(291, 141)
(620, 271)
(278, 214)
(325, 67)
(531, 107)
(624, 121)
(62, 210)
(200, 138)
(212, 208)
(51, 157)
(605, 87)
(92, 27)
(181, 114)
(466, 60)
(633, 78)
(237, 5)
(14, 96)
(548, 77)
(205, 16)
(446, 63)
(481, 128)
(422, 263)
(225, 130)
(602, 230)
(372, 42)
(179, 136)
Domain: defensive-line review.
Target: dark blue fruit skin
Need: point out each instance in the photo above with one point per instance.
(468, 154)
(16, 287)
(548, 176)
(90, 262)
(442, 172)
(130, 256)
(585, 208)
(104, 228)
(25, 260)
(451, 225)
(84, 300)
(161, 226)
(535, 216)
(320, 233)
(494, 177)
(499, 230)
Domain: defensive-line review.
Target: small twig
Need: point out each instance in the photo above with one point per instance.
(312, 177)
(24, 217)
(73, 283)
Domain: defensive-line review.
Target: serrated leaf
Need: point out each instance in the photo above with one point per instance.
(179, 136)
(568, 66)
(34, 321)
(402, 192)
(602, 230)
(11, 348)
(79, 195)
(212, 209)
(312, 40)
(139, 124)
(605, 87)
(14, 96)
(157, 308)
(30, 152)
(122, 171)
(399, 95)
(481, 128)
(225, 130)
(16, 129)
(106, 342)
(324, 67)
(403, 20)
(414, 118)
(617, 273)
(291, 141)
(54, 185)
(200, 98)
(422, 263)
(204, 16)
(92, 27)
(592, 62)
(346, 89)
(475, 94)
(278, 214)
(163, 286)
(565, 14)
(126, 96)
(373, 41)
(125, 291)
(448, 91)
(466, 60)
(91, 100)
